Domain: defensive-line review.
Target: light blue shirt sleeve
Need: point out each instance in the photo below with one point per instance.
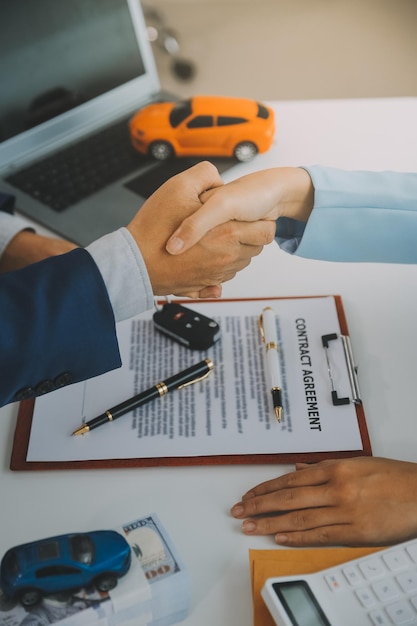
(357, 216)
(124, 273)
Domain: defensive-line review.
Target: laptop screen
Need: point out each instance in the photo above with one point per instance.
(57, 54)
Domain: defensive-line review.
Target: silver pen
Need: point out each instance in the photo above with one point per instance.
(269, 337)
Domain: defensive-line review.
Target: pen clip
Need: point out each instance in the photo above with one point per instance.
(200, 378)
(261, 327)
(270, 345)
(261, 323)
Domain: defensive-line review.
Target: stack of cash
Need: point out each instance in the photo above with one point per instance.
(154, 592)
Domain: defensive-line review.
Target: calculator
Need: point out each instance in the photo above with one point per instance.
(379, 589)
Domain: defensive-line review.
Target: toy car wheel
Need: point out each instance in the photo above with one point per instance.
(30, 597)
(245, 151)
(161, 150)
(106, 582)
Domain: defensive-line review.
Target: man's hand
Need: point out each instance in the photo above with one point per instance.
(219, 255)
(28, 247)
(264, 195)
(359, 501)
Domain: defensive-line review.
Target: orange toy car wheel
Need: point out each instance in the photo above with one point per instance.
(245, 151)
(161, 150)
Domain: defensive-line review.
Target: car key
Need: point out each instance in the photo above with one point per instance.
(188, 327)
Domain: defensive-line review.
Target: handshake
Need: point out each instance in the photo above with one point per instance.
(192, 238)
(194, 232)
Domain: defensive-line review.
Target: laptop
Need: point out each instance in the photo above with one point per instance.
(72, 72)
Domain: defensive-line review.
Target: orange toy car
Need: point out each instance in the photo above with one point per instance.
(203, 126)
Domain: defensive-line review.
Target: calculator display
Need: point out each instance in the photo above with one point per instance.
(300, 603)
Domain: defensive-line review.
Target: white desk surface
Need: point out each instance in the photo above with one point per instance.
(380, 303)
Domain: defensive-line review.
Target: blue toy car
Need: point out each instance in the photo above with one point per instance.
(63, 563)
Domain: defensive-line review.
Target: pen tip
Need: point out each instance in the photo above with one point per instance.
(278, 413)
(81, 431)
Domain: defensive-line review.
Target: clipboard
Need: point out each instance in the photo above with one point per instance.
(19, 456)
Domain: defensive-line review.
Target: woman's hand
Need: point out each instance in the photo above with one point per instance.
(264, 195)
(359, 501)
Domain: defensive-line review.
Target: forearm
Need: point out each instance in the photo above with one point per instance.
(294, 191)
(20, 245)
(10, 227)
(26, 247)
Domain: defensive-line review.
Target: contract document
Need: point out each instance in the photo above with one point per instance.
(229, 413)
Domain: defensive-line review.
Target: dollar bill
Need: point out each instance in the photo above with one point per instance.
(152, 547)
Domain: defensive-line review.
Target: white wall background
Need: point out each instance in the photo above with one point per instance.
(293, 49)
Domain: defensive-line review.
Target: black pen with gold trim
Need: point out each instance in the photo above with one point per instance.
(191, 375)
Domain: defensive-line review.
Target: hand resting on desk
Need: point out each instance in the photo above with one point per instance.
(352, 502)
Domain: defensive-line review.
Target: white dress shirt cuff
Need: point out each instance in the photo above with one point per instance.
(124, 273)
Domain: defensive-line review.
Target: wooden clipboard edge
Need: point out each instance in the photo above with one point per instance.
(20, 445)
(237, 459)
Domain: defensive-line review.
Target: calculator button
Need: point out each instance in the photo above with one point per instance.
(372, 568)
(386, 590)
(379, 618)
(365, 597)
(396, 560)
(401, 613)
(412, 551)
(407, 581)
(413, 601)
(335, 581)
(352, 575)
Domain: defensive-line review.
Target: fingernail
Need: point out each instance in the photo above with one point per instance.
(281, 539)
(248, 526)
(237, 510)
(174, 245)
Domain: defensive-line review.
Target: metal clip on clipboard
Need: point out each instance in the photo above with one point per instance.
(351, 367)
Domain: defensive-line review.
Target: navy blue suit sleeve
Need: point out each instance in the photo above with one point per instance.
(6, 202)
(56, 326)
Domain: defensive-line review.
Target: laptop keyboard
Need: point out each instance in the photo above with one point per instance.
(76, 172)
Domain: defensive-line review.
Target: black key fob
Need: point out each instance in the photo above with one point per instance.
(191, 329)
